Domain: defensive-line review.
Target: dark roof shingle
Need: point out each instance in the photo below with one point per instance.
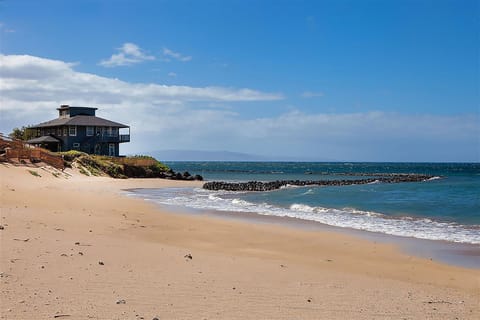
(80, 120)
(43, 139)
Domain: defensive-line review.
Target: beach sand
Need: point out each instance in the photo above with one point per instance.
(78, 248)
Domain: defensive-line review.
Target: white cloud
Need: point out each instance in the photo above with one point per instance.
(172, 74)
(32, 87)
(182, 117)
(129, 53)
(369, 136)
(175, 55)
(29, 78)
(310, 94)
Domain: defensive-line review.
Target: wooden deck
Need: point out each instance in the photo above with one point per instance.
(14, 151)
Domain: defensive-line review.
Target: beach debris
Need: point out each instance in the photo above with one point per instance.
(61, 315)
(80, 253)
(121, 301)
(2, 227)
(24, 240)
(77, 243)
(63, 255)
(309, 300)
(283, 266)
(155, 318)
(101, 263)
(188, 256)
(439, 301)
(59, 229)
(329, 260)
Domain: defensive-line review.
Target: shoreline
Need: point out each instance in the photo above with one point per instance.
(453, 253)
(57, 231)
(457, 254)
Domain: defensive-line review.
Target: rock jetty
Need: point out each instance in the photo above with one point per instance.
(274, 185)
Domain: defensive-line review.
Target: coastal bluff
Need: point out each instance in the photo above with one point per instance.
(274, 185)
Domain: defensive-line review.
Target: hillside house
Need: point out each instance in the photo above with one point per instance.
(78, 128)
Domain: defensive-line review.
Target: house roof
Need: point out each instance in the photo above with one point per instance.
(80, 120)
(43, 139)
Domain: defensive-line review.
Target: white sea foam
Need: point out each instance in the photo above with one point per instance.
(289, 186)
(309, 191)
(347, 217)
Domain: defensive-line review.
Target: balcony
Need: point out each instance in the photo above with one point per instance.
(113, 138)
(124, 138)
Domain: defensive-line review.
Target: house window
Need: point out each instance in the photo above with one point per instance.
(76, 145)
(90, 131)
(65, 131)
(72, 130)
(59, 131)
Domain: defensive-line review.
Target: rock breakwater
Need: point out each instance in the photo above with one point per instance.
(274, 185)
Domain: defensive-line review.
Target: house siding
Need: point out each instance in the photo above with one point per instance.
(98, 143)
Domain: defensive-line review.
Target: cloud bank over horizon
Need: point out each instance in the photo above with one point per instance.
(180, 116)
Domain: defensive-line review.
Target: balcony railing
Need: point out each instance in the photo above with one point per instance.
(113, 138)
(124, 138)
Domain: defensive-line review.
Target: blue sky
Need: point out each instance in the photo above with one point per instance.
(343, 80)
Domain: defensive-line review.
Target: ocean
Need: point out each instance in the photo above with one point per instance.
(444, 208)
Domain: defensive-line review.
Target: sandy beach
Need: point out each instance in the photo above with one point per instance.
(75, 247)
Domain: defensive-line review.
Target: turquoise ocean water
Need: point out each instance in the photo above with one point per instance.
(446, 207)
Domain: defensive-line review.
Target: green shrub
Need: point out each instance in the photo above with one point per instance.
(115, 167)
